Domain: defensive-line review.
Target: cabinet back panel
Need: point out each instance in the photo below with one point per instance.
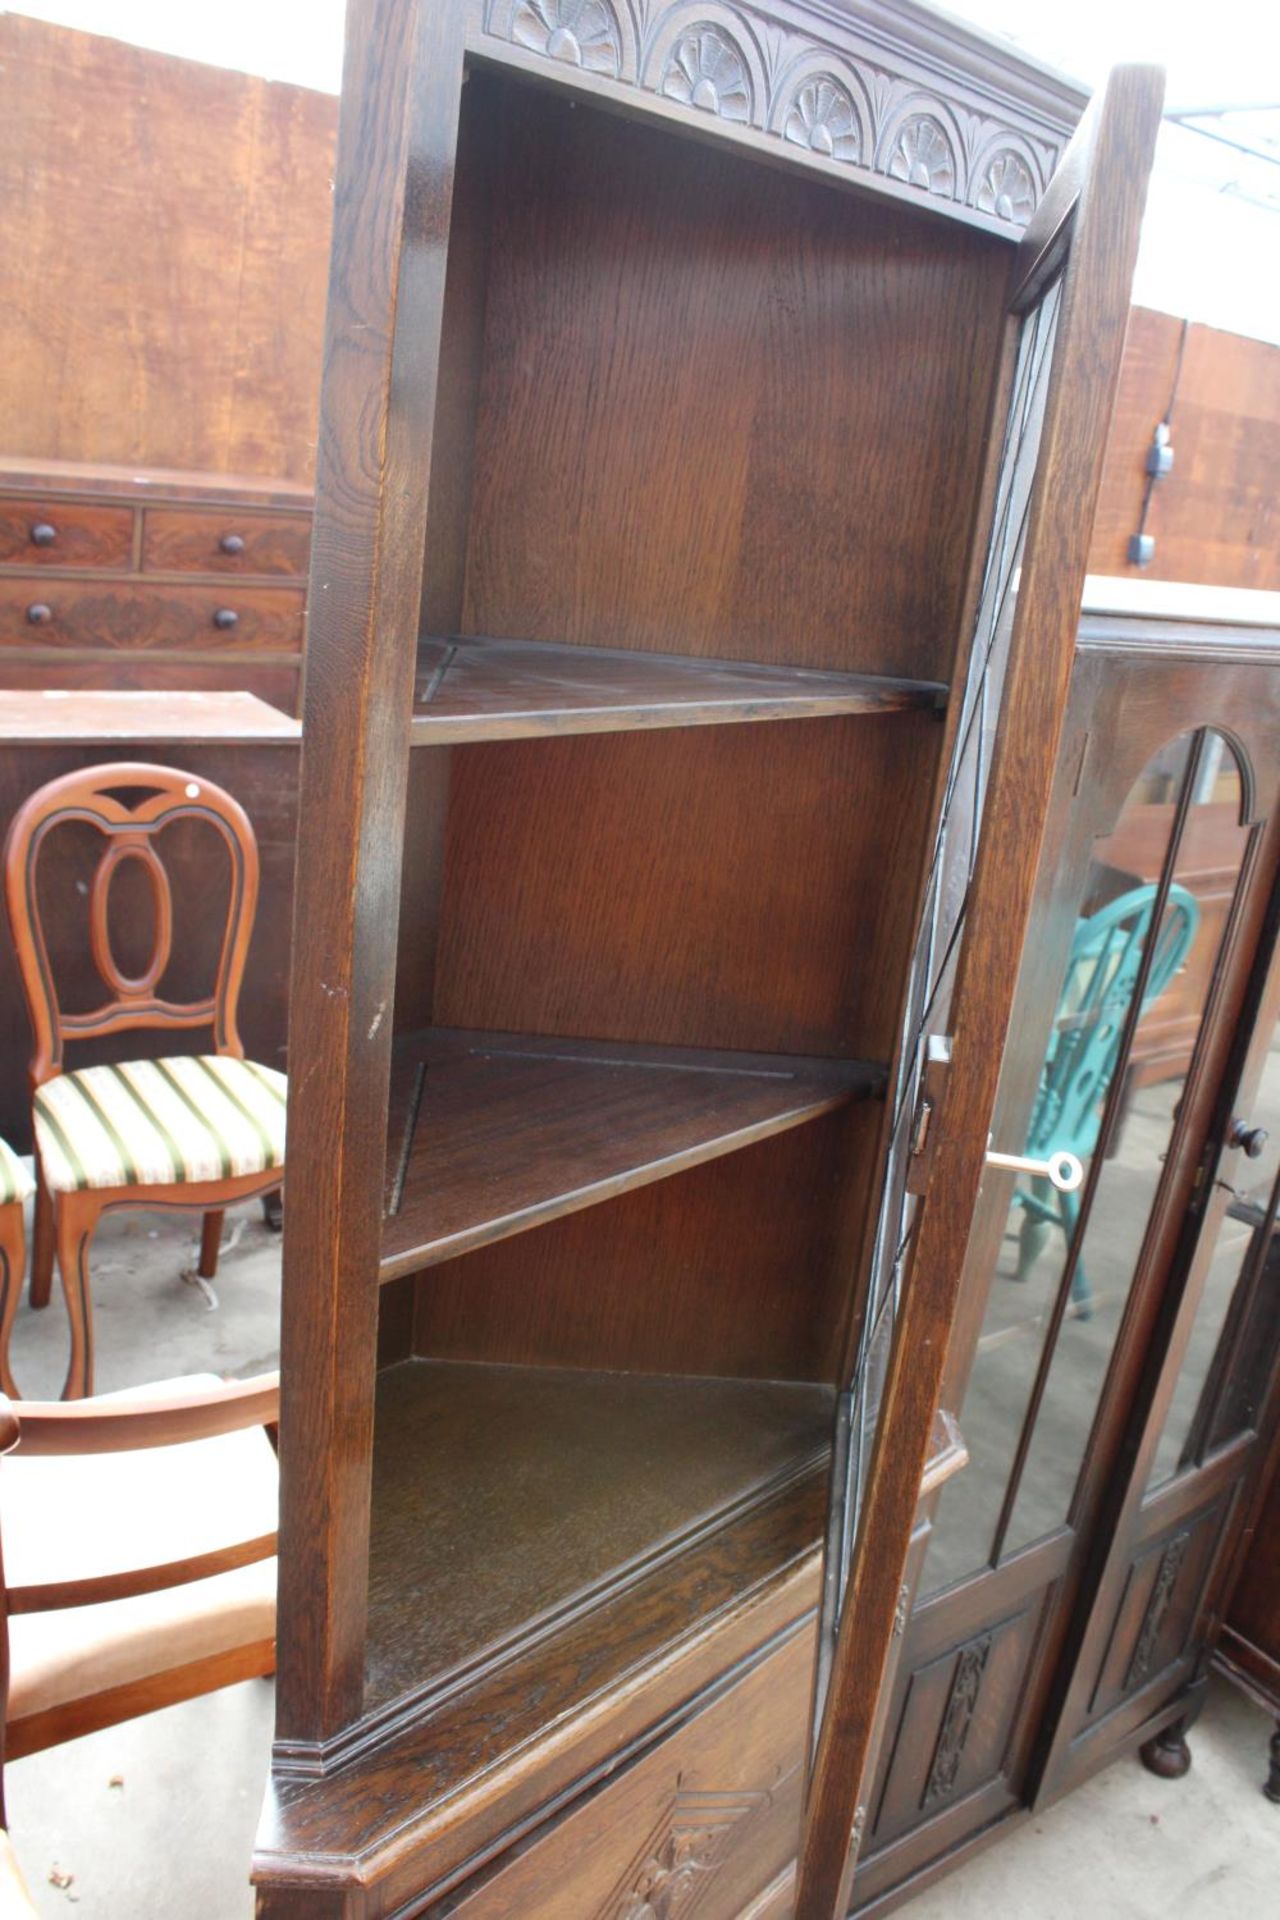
(724, 410)
(693, 1275)
(750, 891)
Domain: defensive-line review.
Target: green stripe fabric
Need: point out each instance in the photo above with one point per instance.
(221, 1146)
(186, 1118)
(15, 1182)
(228, 1092)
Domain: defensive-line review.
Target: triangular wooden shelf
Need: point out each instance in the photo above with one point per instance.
(519, 689)
(491, 1134)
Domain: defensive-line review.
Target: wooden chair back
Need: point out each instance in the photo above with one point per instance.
(129, 803)
(73, 1429)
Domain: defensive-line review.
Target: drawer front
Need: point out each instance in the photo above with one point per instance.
(61, 533)
(60, 613)
(712, 1811)
(183, 540)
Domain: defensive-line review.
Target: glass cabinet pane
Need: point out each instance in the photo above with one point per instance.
(1062, 1281)
(1229, 1358)
(1111, 924)
(1206, 867)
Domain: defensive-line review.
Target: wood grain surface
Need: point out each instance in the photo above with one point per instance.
(781, 943)
(162, 283)
(78, 535)
(691, 1275)
(128, 615)
(552, 1489)
(670, 453)
(178, 540)
(1215, 517)
(491, 1137)
(502, 689)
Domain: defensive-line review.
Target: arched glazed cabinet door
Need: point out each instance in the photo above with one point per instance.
(1196, 1379)
(1156, 869)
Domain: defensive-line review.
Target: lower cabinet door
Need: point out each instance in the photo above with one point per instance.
(700, 1824)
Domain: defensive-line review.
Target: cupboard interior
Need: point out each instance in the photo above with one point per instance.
(707, 444)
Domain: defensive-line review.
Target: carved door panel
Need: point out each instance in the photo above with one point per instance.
(1165, 784)
(1067, 313)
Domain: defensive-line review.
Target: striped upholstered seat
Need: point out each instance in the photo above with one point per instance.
(15, 1181)
(156, 1123)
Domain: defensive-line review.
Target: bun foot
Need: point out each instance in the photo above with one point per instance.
(1168, 1756)
(1272, 1785)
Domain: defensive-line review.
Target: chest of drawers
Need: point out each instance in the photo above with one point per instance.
(138, 579)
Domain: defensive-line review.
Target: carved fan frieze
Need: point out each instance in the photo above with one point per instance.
(823, 118)
(816, 85)
(922, 156)
(1006, 188)
(580, 33)
(705, 69)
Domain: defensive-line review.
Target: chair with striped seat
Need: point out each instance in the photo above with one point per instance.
(15, 1188)
(196, 1132)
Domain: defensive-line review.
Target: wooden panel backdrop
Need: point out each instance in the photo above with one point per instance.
(162, 281)
(1216, 517)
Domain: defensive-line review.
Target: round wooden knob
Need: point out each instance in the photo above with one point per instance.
(225, 618)
(39, 614)
(232, 543)
(42, 534)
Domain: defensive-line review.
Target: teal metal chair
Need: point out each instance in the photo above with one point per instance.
(1102, 974)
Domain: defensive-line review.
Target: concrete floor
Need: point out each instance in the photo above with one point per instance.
(157, 1817)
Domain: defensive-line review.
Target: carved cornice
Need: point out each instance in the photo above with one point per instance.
(888, 91)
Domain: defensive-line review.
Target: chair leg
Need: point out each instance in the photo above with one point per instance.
(75, 1217)
(210, 1243)
(1081, 1296)
(42, 1238)
(1037, 1213)
(13, 1253)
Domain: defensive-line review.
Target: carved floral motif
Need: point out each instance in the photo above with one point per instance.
(922, 156)
(669, 1878)
(680, 1856)
(822, 117)
(957, 1720)
(706, 70)
(1157, 1607)
(1007, 189)
(581, 33)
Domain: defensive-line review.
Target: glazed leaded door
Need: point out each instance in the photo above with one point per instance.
(1068, 309)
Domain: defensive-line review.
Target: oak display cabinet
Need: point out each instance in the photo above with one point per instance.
(694, 404)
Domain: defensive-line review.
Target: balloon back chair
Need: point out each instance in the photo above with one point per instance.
(1102, 976)
(195, 1132)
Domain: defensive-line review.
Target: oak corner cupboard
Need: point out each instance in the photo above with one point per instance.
(713, 410)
